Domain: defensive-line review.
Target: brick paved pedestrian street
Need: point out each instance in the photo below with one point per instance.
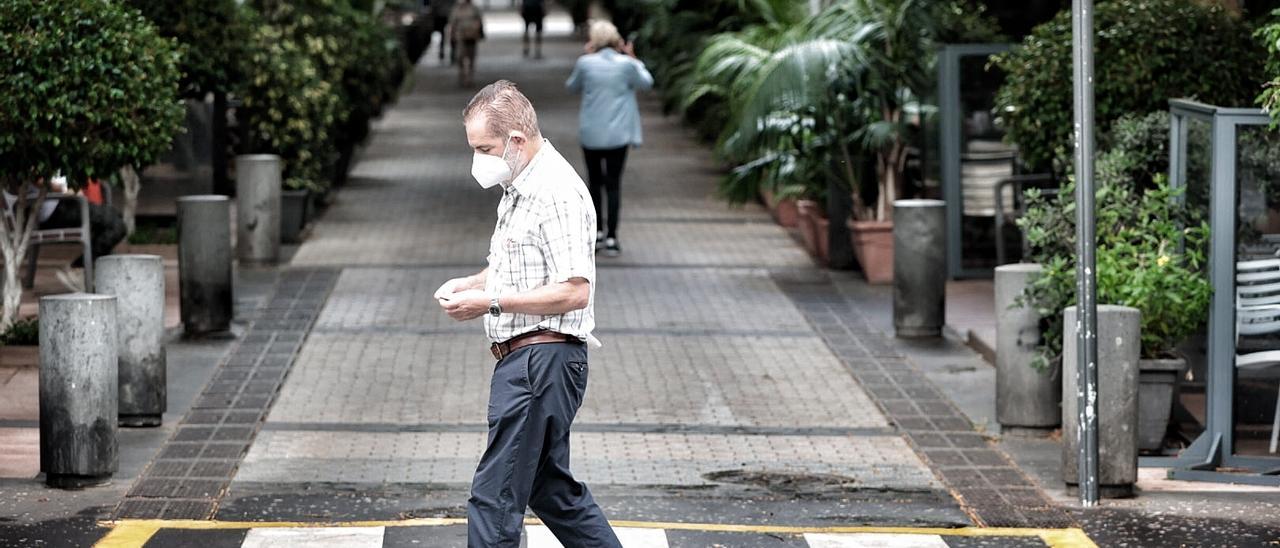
(740, 399)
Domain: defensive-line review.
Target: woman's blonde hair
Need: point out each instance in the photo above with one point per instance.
(603, 34)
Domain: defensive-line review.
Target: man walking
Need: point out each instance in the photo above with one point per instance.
(466, 30)
(536, 297)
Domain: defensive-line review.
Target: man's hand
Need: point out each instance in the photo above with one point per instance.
(466, 305)
(453, 286)
(628, 49)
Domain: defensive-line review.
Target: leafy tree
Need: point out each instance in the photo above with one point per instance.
(86, 87)
(213, 38)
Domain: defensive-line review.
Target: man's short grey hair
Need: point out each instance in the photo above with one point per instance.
(505, 109)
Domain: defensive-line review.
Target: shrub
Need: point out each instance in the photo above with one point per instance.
(24, 332)
(1147, 52)
(1151, 244)
(288, 108)
(213, 37)
(86, 87)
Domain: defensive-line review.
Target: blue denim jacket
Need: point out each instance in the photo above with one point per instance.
(608, 81)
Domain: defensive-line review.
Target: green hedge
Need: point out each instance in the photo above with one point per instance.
(1147, 52)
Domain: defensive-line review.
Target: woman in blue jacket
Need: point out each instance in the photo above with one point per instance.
(608, 77)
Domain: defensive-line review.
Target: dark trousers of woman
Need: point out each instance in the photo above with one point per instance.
(604, 174)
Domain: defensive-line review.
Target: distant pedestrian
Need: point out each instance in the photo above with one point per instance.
(440, 10)
(538, 294)
(466, 29)
(608, 77)
(533, 12)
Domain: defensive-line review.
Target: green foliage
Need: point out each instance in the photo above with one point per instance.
(154, 235)
(1146, 259)
(1269, 35)
(1147, 52)
(1151, 247)
(25, 332)
(86, 87)
(289, 108)
(804, 102)
(213, 36)
(321, 70)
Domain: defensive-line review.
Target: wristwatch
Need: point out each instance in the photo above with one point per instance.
(495, 309)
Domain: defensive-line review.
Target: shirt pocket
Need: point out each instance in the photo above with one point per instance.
(523, 252)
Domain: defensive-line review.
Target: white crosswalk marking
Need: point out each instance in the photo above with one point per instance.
(873, 540)
(540, 537)
(314, 537)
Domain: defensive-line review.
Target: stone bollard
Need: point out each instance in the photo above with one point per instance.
(258, 181)
(204, 263)
(78, 396)
(1118, 353)
(137, 282)
(919, 267)
(1026, 398)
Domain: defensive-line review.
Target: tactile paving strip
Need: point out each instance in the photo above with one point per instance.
(994, 491)
(193, 469)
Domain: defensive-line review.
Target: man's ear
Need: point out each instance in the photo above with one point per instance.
(518, 137)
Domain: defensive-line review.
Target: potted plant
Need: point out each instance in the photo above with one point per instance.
(112, 104)
(1150, 256)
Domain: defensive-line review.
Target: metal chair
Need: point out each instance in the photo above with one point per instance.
(81, 235)
(1258, 313)
(1015, 210)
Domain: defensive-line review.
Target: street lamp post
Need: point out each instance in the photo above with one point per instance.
(1086, 245)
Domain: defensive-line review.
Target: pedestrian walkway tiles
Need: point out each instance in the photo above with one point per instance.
(445, 532)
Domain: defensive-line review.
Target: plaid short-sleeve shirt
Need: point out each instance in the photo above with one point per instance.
(545, 234)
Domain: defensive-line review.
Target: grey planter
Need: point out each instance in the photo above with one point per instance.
(1157, 386)
(294, 206)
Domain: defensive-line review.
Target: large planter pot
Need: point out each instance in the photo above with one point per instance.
(873, 246)
(1157, 386)
(293, 214)
(814, 227)
(784, 211)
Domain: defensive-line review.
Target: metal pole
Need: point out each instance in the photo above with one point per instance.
(1086, 267)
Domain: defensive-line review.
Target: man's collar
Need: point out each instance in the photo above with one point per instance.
(515, 186)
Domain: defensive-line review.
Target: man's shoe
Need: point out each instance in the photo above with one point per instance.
(611, 247)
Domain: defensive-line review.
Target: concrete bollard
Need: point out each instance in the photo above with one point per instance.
(78, 396)
(137, 282)
(1118, 353)
(1026, 398)
(204, 263)
(258, 181)
(919, 267)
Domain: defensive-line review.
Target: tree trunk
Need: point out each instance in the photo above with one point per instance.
(132, 184)
(15, 234)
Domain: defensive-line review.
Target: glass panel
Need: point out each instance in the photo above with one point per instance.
(1257, 371)
(984, 160)
(1189, 414)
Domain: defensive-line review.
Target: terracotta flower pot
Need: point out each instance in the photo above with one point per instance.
(873, 246)
(784, 211)
(808, 225)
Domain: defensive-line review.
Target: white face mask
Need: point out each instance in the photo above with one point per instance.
(491, 170)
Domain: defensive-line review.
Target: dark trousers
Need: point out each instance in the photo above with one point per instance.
(106, 225)
(533, 397)
(604, 172)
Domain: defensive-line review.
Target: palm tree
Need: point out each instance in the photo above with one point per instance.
(857, 67)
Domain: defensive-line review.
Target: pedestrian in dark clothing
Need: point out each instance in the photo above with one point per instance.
(533, 11)
(537, 298)
(608, 77)
(440, 10)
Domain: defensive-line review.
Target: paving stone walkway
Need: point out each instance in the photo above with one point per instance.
(707, 366)
(736, 384)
